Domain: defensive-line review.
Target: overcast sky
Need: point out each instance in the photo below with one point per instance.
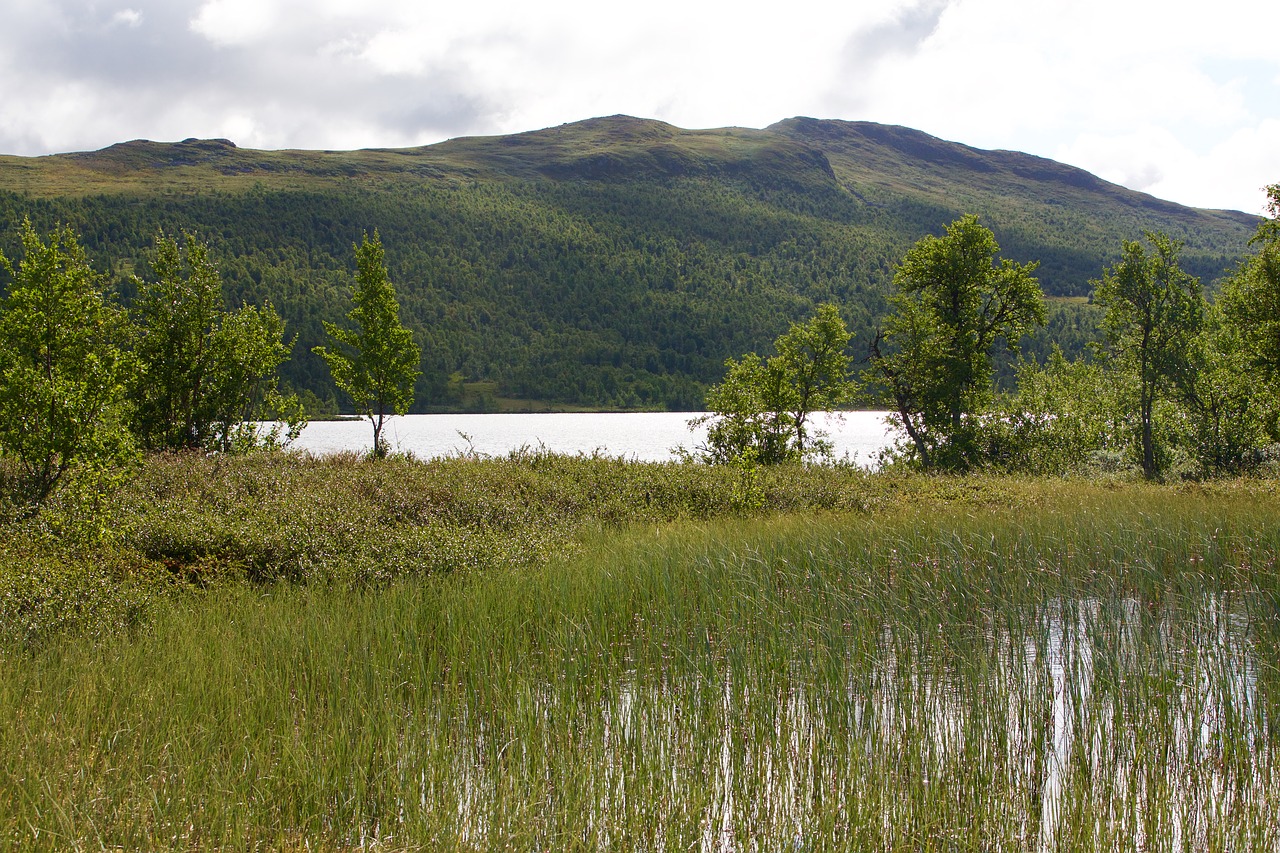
(1177, 98)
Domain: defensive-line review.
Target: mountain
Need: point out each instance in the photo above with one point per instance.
(610, 262)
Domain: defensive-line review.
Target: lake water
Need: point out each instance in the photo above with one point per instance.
(646, 436)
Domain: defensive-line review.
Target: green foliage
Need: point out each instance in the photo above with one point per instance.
(1251, 298)
(1235, 385)
(762, 407)
(606, 264)
(204, 374)
(952, 303)
(1154, 310)
(784, 679)
(1269, 229)
(1185, 388)
(94, 557)
(50, 590)
(381, 362)
(745, 415)
(62, 369)
(1065, 417)
(813, 357)
(197, 521)
(748, 493)
(1231, 412)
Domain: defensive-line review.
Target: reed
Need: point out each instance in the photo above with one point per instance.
(995, 666)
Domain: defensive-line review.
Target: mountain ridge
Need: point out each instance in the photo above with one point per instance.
(611, 262)
(607, 133)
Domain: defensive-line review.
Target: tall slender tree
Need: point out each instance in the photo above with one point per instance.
(1154, 311)
(377, 362)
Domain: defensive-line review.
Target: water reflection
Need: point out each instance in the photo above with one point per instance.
(1087, 719)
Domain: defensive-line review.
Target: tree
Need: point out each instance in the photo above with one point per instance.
(381, 362)
(1251, 297)
(1064, 416)
(62, 368)
(748, 414)
(1154, 310)
(762, 407)
(952, 303)
(814, 363)
(1230, 407)
(205, 374)
(1237, 358)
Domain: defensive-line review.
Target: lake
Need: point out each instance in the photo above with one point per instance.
(645, 436)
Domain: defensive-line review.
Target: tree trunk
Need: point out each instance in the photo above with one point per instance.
(379, 450)
(1148, 437)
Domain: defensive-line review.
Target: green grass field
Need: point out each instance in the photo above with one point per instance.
(546, 653)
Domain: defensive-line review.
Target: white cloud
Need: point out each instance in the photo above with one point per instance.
(1176, 100)
(1105, 85)
(995, 67)
(1233, 173)
(1136, 158)
(1230, 175)
(401, 52)
(127, 18)
(235, 22)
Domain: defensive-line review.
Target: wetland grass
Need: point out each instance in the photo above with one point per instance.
(1002, 666)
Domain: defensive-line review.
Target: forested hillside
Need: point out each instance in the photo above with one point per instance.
(609, 263)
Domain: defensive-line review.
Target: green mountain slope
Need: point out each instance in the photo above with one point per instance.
(611, 262)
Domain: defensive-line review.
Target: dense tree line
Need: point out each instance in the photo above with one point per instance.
(84, 383)
(623, 293)
(1181, 382)
(1174, 382)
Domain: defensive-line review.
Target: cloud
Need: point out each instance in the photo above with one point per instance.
(1135, 158)
(903, 32)
(1144, 99)
(234, 22)
(1147, 97)
(1230, 174)
(127, 18)
(169, 69)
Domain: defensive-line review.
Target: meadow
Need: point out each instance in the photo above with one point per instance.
(559, 653)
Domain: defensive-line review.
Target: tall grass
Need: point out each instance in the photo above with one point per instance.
(94, 562)
(1005, 666)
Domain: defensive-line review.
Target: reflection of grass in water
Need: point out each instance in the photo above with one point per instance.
(926, 681)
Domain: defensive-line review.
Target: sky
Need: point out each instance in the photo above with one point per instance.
(1177, 98)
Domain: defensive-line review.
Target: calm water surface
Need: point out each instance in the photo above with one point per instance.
(646, 436)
